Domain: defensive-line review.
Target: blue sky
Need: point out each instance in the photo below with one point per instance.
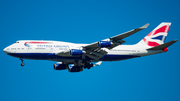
(151, 78)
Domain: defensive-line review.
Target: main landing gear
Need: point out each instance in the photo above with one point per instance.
(22, 64)
(87, 64)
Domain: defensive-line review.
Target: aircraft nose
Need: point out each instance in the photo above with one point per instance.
(5, 50)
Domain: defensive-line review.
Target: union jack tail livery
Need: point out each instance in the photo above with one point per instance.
(156, 37)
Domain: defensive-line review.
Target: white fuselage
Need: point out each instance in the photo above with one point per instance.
(76, 57)
(46, 50)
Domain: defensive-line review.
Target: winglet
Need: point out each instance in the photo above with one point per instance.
(145, 26)
(98, 63)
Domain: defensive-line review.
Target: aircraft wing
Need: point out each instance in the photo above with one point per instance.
(98, 49)
(116, 40)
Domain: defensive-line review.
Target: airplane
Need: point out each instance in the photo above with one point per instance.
(76, 57)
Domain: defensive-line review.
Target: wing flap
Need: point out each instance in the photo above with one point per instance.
(97, 54)
(63, 53)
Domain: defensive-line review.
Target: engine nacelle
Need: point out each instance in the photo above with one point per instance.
(60, 66)
(75, 68)
(104, 44)
(76, 52)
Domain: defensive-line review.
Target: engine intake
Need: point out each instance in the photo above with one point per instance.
(104, 44)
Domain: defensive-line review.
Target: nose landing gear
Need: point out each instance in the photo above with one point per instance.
(22, 64)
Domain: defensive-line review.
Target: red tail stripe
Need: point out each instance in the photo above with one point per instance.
(162, 29)
(168, 29)
(144, 39)
(153, 44)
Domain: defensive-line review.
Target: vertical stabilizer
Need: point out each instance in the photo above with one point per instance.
(156, 37)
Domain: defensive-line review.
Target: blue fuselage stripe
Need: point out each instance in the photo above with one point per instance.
(51, 56)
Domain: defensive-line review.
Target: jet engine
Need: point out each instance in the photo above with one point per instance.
(76, 52)
(60, 66)
(104, 44)
(75, 68)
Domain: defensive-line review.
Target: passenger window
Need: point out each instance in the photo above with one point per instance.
(13, 48)
(40, 48)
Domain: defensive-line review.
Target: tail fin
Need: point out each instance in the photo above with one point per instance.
(155, 37)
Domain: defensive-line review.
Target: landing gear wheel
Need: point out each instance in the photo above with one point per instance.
(88, 65)
(22, 64)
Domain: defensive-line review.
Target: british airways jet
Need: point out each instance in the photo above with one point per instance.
(76, 57)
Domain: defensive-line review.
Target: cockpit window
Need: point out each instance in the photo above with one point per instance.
(17, 42)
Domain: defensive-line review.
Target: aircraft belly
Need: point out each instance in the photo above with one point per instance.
(111, 57)
(43, 56)
(53, 57)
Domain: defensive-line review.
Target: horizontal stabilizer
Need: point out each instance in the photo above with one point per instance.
(162, 46)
